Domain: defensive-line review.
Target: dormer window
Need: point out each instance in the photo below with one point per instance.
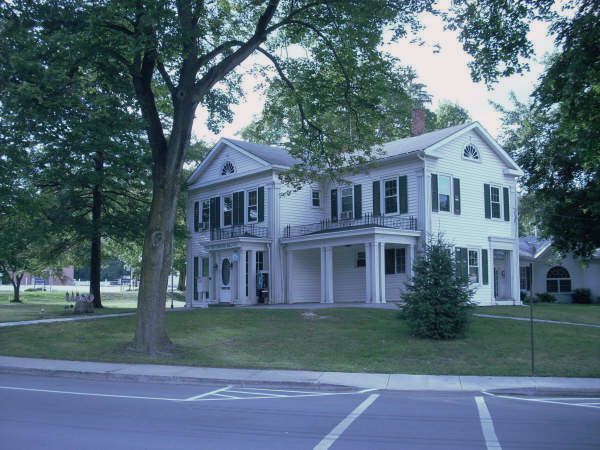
(228, 168)
(471, 152)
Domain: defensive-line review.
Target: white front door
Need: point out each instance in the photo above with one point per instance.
(225, 277)
(502, 289)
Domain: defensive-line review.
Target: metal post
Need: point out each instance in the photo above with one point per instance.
(531, 336)
(171, 288)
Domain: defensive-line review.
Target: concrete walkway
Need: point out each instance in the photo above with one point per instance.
(186, 374)
(526, 319)
(62, 319)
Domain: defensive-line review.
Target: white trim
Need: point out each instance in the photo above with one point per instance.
(312, 193)
(247, 205)
(383, 197)
(465, 158)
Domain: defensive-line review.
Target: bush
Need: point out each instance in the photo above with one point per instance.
(545, 297)
(438, 298)
(583, 296)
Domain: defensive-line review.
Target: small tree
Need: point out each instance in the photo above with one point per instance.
(438, 298)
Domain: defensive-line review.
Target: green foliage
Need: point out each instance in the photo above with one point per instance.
(449, 114)
(545, 297)
(582, 296)
(556, 138)
(438, 299)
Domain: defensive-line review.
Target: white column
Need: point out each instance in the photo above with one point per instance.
(323, 276)
(368, 273)
(241, 272)
(381, 246)
(411, 260)
(252, 276)
(211, 276)
(329, 273)
(289, 276)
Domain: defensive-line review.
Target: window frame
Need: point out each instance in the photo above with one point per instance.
(247, 206)
(558, 281)
(466, 158)
(524, 276)
(500, 202)
(361, 258)
(385, 197)
(318, 198)
(260, 261)
(398, 263)
(230, 196)
(477, 264)
(341, 202)
(204, 225)
(450, 193)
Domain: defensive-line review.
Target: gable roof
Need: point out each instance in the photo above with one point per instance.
(271, 156)
(532, 247)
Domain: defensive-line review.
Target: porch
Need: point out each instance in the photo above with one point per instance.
(366, 264)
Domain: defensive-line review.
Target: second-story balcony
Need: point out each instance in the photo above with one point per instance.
(366, 221)
(239, 231)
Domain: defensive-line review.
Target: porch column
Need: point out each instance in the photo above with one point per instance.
(326, 275)
(381, 246)
(411, 259)
(372, 272)
(241, 284)
(289, 272)
(252, 276)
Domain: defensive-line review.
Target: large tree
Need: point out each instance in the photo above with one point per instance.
(195, 50)
(556, 137)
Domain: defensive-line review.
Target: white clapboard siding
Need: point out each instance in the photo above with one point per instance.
(471, 229)
(306, 275)
(349, 281)
(241, 163)
(296, 206)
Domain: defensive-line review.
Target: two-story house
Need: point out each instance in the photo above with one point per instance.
(253, 237)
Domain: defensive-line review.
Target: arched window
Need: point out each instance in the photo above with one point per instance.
(558, 280)
(471, 152)
(227, 168)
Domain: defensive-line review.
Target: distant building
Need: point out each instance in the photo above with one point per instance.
(62, 277)
(541, 270)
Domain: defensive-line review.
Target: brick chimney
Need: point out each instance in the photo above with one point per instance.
(418, 122)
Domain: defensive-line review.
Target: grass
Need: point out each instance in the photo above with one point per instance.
(351, 340)
(589, 314)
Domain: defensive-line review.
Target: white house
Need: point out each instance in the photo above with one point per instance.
(542, 270)
(352, 242)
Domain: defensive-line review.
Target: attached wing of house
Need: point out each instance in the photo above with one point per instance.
(254, 239)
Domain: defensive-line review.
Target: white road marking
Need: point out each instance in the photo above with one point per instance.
(262, 393)
(90, 394)
(206, 394)
(487, 425)
(554, 400)
(334, 434)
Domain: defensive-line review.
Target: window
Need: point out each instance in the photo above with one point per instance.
(252, 215)
(495, 202)
(444, 192)
(471, 152)
(226, 272)
(260, 261)
(391, 196)
(395, 261)
(195, 274)
(525, 278)
(227, 210)
(205, 214)
(347, 203)
(473, 266)
(558, 280)
(361, 259)
(316, 199)
(205, 267)
(228, 168)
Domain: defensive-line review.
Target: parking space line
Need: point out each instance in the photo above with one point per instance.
(554, 400)
(487, 425)
(206, 394)
(334, 434)
(89, 394)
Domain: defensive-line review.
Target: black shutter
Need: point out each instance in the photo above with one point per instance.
(403, 194)
(376, 198)
(528, 272)
(261, 204)
(357, 201)
(215, 212)
(506, 204)
(434, 193)
(484, 266)
(486, 200)
(456, 183)
(238, 208)
(334, 205)
(195, 278)
(196, 216)
(462, 267)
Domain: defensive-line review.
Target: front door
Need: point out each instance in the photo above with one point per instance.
(501, 275)
(225, 280)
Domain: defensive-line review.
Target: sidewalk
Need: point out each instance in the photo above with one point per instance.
(527, 319)
(313, 379)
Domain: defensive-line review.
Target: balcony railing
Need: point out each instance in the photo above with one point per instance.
(366, 221)
(236, 231)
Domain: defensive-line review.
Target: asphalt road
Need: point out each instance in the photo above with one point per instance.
(67, 413)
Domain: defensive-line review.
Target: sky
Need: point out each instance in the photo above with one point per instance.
(444, 73)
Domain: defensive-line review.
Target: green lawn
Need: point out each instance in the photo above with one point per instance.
(550, 311)
(354, 340)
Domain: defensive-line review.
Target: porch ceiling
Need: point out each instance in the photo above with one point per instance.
(238, 242)
(353, 236)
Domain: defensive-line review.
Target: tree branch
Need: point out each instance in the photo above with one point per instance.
(165, 76)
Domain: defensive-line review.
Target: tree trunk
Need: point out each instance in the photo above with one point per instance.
(96, 247)
(15, 280)
(182, 274)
